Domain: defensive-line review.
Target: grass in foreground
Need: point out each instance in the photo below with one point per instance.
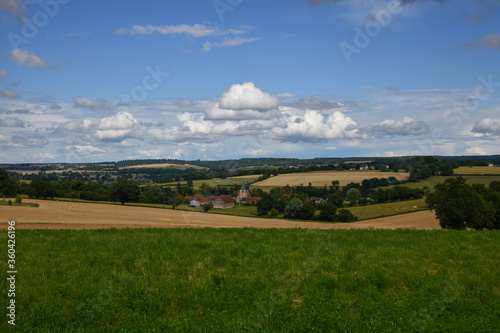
(239, 280)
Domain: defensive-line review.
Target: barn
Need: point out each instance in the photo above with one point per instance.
(223, 202)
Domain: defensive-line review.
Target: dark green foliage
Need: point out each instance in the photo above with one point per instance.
(206, 207)
(460, 206)
(327, 212)
(41, 188)
(8, 186)
(124, 190)
(345, 215)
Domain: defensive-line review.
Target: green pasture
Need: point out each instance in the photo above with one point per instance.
(251, 280)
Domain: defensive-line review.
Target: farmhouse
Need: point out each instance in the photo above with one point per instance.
(223, 201)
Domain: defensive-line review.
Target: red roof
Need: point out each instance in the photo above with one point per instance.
(226, 198)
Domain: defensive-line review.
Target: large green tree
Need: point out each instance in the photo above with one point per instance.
(124, 190)
(8, 187)
(459, 206)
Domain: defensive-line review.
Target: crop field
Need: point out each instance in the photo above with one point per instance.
(240, 280)
(164, 165)
(214, 182)
(78, 215)
(322, 178)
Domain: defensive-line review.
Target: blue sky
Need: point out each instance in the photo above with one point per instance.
(223, 79)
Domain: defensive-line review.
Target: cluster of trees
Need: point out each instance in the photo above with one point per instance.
(460, 206)
(298, 206)
(422, 167)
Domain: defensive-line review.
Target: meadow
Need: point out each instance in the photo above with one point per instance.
(249, 280)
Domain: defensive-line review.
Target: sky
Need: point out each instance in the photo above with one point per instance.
(92, 81)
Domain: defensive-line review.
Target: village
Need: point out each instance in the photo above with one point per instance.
(223, 201)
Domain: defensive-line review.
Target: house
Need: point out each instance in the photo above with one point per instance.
(223, 202)
(363, 167)
(286, 191)
(491, 164)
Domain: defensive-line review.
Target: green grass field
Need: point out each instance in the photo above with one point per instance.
(387, 209)
(471, 179)
(477, 170)
(240, 280)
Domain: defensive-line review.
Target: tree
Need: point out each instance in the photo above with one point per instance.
(8, 187)
(307, 211)
(458, 206)
(353, 195)
(41, 188)
(293, 207)
(274, 212)
(327, 212)
(206, 207)
(124, 190)
(345, 215)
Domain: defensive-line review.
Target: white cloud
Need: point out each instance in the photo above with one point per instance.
(100, 104)
(3, 73)
(88, 149)
(229, 42)
(118, 126)
(9, 93)
(247, 96)
(195, 30)
(487, 126)
(15, 7)
(28, 58)
(312, 127)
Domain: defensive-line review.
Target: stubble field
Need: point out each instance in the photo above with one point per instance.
(322, 178)
(75, 215)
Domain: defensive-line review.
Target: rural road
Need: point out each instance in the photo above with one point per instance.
(73, 215)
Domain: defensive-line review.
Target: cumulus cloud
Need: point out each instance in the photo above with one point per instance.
(15, 7)
(116, 127)
(312, 127)
(11, 122)
(247, 96)
(3, 73)
(28, 59)
(195, 30)
(317, 102)
(407, 126)
(487, 126)
(228, 42)
(100, 104)
(490, 40)
(9, 93)
(73, 127)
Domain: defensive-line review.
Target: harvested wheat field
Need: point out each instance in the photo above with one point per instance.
(322, 178)
(72, 215)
